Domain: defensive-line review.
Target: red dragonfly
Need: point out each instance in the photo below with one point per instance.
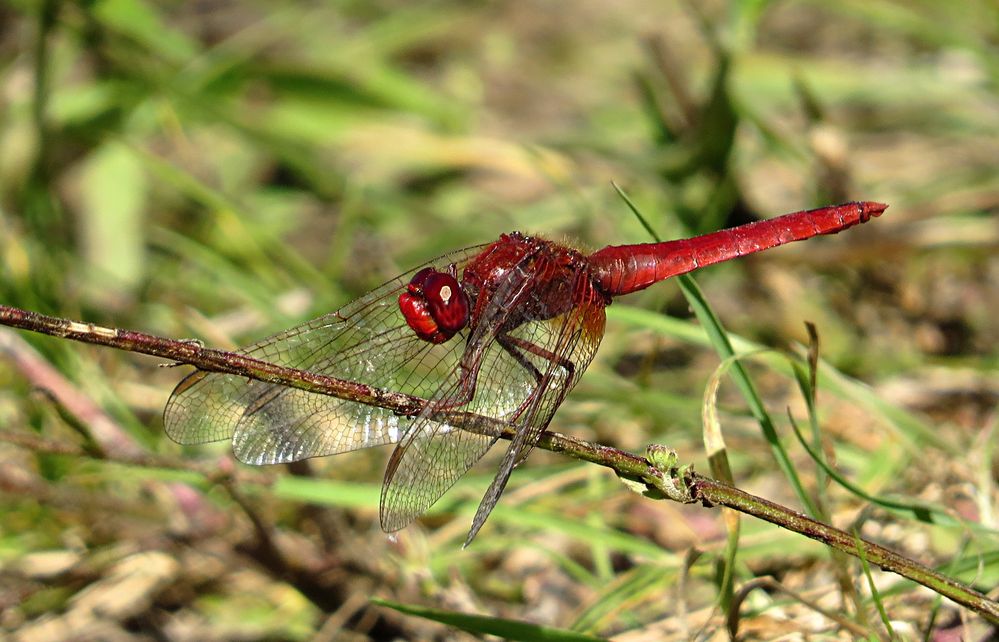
(501, 331)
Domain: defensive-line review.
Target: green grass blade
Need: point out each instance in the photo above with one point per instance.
(914, 510)
(719, 339)
(875, 594)
(907, 425)
(485, 625)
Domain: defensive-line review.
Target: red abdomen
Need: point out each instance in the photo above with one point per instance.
(628, 268)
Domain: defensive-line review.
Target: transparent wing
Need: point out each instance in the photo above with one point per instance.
(433, 455)
(366, 341)
(560, 348)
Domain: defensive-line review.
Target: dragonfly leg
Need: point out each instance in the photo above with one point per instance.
(469, 366)
(514, 347)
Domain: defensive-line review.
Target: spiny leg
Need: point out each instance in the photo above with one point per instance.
(514, 345)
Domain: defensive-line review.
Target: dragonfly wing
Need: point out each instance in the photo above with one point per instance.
(366, 341)
(562, 349)
(433, 454)
(426, 463)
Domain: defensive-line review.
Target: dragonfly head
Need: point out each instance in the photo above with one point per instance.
(434, 305)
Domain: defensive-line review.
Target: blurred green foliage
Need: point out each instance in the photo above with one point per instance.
(223, 170)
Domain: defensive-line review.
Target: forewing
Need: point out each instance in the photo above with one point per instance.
(366, 341)
(433, 454)
(562, 349)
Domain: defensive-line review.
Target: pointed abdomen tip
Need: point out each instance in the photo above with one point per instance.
(872, 208)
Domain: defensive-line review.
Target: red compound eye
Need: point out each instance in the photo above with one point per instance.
(434, 305)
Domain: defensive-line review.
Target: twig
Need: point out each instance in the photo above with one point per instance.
(711, 492)
(657, 473)
(193, 353)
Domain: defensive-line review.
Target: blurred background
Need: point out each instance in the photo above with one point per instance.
(220, 171)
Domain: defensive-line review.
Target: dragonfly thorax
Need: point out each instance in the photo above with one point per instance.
(434, 305)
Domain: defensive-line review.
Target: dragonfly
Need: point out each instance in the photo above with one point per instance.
(500, 331)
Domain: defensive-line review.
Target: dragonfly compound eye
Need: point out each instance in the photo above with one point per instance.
(434, 305)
